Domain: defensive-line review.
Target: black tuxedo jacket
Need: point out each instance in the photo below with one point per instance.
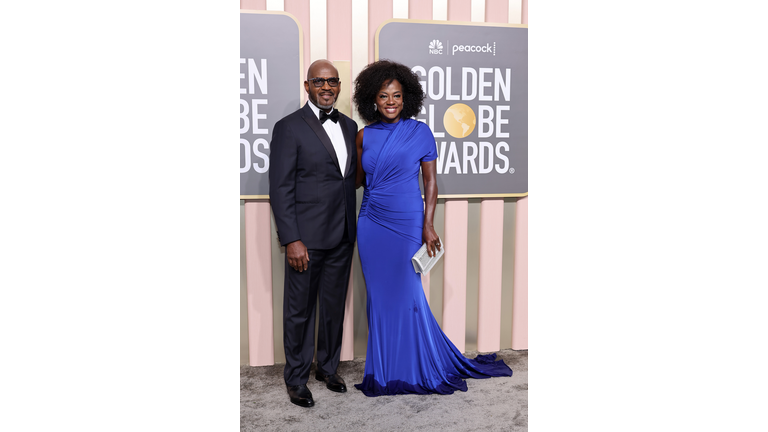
(309, 197)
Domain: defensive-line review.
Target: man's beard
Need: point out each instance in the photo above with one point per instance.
(323, 107)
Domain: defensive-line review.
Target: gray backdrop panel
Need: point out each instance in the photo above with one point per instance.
(274, 38)
(471, 164)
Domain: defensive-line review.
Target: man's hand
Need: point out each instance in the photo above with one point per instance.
(297, 254)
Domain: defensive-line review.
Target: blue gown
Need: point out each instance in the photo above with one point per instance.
(407, 351)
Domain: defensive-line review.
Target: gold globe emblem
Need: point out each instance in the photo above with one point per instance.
(459, 120)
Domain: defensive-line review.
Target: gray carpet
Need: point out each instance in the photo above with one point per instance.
(493, 404)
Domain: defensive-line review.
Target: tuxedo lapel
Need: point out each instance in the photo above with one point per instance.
(349, 139)
(317, 127)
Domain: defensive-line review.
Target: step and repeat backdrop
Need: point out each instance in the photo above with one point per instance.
(475, 78)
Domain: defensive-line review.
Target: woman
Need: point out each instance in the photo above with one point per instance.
(407, 351)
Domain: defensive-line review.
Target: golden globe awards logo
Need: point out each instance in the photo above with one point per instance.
(477, 126)
(253, 83)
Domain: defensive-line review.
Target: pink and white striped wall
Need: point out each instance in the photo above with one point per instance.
(479, 292)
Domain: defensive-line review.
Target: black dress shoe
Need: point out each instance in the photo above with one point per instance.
(333, 382)
(301, 396)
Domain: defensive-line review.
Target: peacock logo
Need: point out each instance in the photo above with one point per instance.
(435, 47)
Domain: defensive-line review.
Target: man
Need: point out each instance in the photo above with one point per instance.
(312, 192)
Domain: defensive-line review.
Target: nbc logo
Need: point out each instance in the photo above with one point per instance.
(435, 47)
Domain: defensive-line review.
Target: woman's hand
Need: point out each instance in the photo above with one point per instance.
(431, 239)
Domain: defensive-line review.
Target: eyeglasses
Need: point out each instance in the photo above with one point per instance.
(319, 82)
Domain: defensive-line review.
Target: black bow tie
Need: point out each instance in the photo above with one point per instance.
(333, 116)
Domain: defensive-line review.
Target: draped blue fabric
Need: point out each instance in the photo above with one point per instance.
(407, 351)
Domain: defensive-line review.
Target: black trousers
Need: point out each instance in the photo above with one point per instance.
(327, 275)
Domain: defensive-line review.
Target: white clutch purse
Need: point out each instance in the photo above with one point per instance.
(422, 262)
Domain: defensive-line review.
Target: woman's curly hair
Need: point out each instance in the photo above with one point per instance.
(376, 74)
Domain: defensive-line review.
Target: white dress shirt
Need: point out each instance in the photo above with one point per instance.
(337, 137)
